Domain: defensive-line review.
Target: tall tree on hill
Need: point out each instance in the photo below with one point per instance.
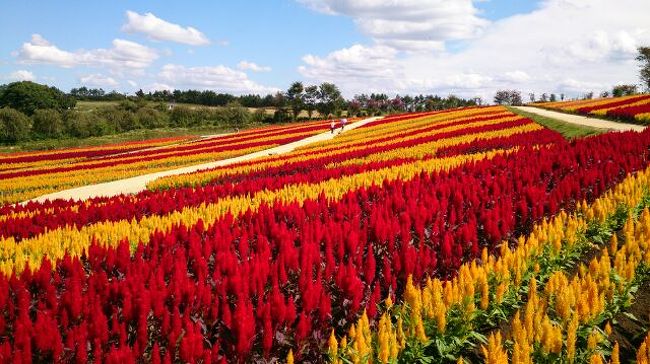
(295, 98)
(508, 97)
(644, 58)
(329, 99)
(310, 99)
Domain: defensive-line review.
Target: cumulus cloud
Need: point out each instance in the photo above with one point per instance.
(413, 25)
(546, 50)
(39, 50)
(157, 86)
(359, 68)
(159, 29)
(98, 80)
(21, 75)
(251, 66)
(122, 56)
(219, 78)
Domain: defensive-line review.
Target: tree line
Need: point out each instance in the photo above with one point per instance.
(31, 111)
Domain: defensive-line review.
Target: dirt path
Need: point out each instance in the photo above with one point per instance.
(139, 183)
(581, 120)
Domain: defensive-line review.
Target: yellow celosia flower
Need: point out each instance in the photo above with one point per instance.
(615, 354)
(290, 357)
(494, 352)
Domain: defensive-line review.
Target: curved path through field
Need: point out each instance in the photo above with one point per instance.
(139, 183)
(581, 120)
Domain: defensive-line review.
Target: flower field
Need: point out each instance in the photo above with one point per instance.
(25, 176)
(465, 235)
(635, 108)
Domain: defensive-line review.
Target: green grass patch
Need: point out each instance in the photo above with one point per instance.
(568, 130)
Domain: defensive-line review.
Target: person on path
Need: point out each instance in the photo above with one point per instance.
(343, 122)
(332, 126)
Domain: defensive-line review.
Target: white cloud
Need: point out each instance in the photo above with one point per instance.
(251, 66)
(39, 50)
(357, 62)
(219, 78)
(413, 25)
(156, 86)
(21, 75)
(517, 76)
(98, 80)
(571, 46)
(132, 83)
(159, 29)
(124, 55)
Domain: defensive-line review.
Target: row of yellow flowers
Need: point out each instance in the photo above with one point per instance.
(603, 111)
(428, 149)
(49, 158)
(14, 256)
(333, 147)
(66, 180)
(552, 319)
(574, 105)
(412, 125)
(484, 286)
(23, 188)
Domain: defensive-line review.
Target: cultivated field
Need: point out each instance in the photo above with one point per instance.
(633, 109)
(466, 235)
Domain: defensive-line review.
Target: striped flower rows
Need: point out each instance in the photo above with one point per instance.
(483, 294)
(634, 108)
(31, 180)
(275, 258)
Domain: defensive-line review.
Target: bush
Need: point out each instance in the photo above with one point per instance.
(260, 116)
(151, 118)
(48, 123)
(281, 115)
(14, 126)
(28, 97)
(235, 115)
(84, 125)
(183, 116)
(120, 119)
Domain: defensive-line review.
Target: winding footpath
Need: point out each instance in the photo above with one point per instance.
(139, 183)
(581, 120)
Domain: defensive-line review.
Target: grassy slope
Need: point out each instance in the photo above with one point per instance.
(567, 130)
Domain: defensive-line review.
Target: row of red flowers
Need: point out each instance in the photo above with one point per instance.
(310, 171)
(252, 287)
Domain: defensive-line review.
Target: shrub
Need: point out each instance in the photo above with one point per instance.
(151, 118)
(48, 123)
(14, 125)
(83, 125)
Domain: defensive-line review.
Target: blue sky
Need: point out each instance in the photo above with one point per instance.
(362, 46)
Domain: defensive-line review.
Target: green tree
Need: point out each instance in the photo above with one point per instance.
(236, 115)
(48, 123)
(14, 126)
(27, 97)
(511, 97)
(644, 59)
(86, 124)
(295, 97)
(310, 99)
(329, 99)
(151, 118)
(623, 90)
